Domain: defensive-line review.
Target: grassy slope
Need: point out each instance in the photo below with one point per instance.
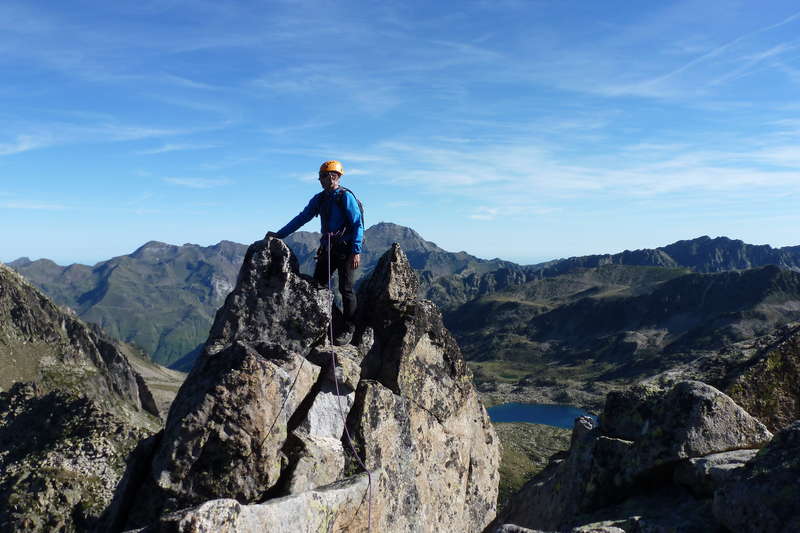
(571, 338)
(526, 450)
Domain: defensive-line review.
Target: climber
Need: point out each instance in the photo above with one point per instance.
(342, 224)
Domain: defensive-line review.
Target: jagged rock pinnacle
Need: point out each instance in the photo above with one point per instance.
(262, 416)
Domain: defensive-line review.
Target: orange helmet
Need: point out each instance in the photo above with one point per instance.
(332, 166)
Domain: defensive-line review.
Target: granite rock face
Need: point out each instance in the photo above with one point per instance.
(764, 495)
(769, 387)
(229, 422)
(417, 416)
(337, 507)
(273, 428)
(703, 474)
(690, 420)
(654, 449)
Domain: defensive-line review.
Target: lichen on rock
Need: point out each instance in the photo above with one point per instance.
(764, 494)
(646, 455)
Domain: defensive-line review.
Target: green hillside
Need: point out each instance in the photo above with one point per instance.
(596, 328)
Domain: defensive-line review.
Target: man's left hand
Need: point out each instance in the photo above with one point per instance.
(355, 261)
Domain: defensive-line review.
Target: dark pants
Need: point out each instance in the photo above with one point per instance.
(340, 260)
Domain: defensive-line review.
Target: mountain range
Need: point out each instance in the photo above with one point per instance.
(616, 324)
(71, 460)
(162, 297)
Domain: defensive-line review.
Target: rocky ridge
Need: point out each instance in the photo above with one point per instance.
(42, 343)
(702, 255)
(259, 436)
(163, 297)
(191, 281)
(73, 411)
(761, 374)
(682, 458)
(61, 457)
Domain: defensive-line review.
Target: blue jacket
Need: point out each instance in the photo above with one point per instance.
(345, 223)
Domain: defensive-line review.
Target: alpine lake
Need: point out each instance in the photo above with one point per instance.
(562, 416)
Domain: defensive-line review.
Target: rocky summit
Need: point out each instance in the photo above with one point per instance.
(276, 430)
(683, 458)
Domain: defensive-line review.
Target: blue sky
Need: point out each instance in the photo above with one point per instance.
(522, 130)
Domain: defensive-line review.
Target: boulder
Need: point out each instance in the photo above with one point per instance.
(413, 353)
(272, 303)
(313, 461)
(228, 441)
(316, 454)
(624, 468)
(764, 495)
(692, 419)
(578, 483)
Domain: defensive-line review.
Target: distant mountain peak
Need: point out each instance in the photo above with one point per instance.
(156, 251)
(386, 233)
(153, 247)
(20, 262)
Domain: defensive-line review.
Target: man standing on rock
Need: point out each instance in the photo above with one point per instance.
(342, 234)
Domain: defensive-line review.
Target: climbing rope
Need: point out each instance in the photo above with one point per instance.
(339, 396)
(285, 399)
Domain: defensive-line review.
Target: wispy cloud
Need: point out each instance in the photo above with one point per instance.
(176, 148)
(375, 94)
(24, 143)
(280, 131)
(485, 213)
(227, 162)
(32, 205)
(522, 177)
(198, 183)
(401, 204)
(787, 127)
(44, 134)
(189, 83)
(611, 69)
(124, 132)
